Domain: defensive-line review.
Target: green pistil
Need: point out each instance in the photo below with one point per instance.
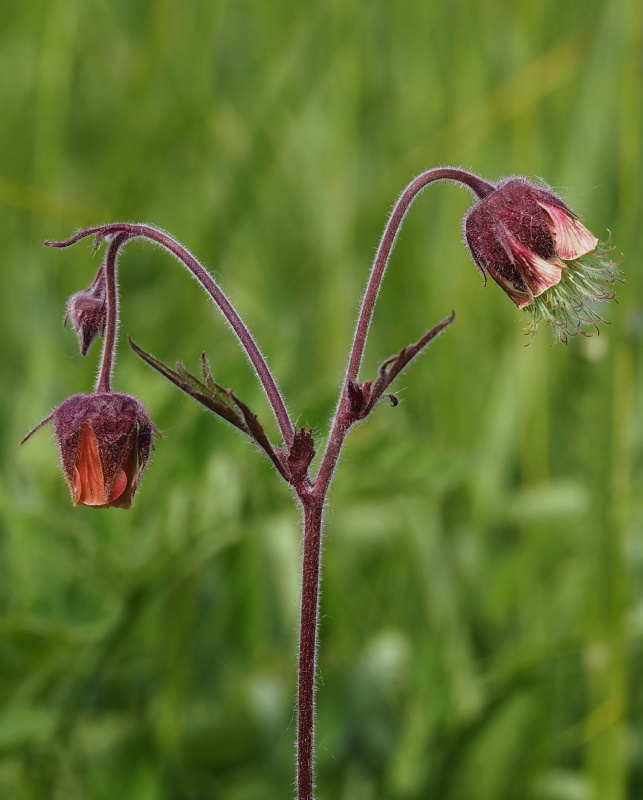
(567, 307)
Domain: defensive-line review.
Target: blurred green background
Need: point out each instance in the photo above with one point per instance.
(482, 608)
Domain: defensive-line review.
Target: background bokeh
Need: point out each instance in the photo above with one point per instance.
(482, 609)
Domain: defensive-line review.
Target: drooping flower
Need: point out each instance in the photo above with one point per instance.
(87, 311)
(104, 441)
(538, 251)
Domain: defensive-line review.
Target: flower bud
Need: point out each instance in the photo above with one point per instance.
(536, 249)
(87, 311)
(104, 441)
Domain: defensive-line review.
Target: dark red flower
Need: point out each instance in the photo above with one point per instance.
(537, 250)
(104, 441)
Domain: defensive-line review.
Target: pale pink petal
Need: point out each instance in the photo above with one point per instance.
(521, 299)
(538, 273)
(545, 275)
(573, 240)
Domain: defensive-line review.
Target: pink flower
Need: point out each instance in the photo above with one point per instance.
(537, 250)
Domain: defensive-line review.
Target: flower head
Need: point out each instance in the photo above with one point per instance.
(537, 250)
(87, 311)
(104, 441)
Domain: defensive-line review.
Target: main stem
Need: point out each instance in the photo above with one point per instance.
(312, 499)
(312, 508)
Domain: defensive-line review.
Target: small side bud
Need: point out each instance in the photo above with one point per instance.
(87, 311)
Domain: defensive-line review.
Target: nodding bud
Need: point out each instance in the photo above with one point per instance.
(105, 442)
(87, 311)
(535, 248)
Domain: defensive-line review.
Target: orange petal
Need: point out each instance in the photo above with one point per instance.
(125, 480)
(573, 240)
(89, 486)
(119, 486)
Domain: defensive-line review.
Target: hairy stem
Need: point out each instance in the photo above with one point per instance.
(104, 379)
(312, 508)
(312, 496)
(476, 186)
(341, 421)
(313, 502)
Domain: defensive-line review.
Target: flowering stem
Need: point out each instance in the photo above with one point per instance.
(104, 379)
(352, 406)
(342, 419)
(476, 185)
(313, 499)
(532, 215)
(210, 286)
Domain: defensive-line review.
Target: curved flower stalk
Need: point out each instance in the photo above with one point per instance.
(520, 234)
(119, 234)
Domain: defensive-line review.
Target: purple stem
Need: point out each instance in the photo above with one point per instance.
(342, 422)
(313, 499)
(308, 631)
(104, 379)
(476, 185)
(135, 231)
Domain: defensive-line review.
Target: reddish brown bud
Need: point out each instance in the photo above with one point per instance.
(87, 311)
(104, 441)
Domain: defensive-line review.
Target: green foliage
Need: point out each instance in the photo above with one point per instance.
(482, 605)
